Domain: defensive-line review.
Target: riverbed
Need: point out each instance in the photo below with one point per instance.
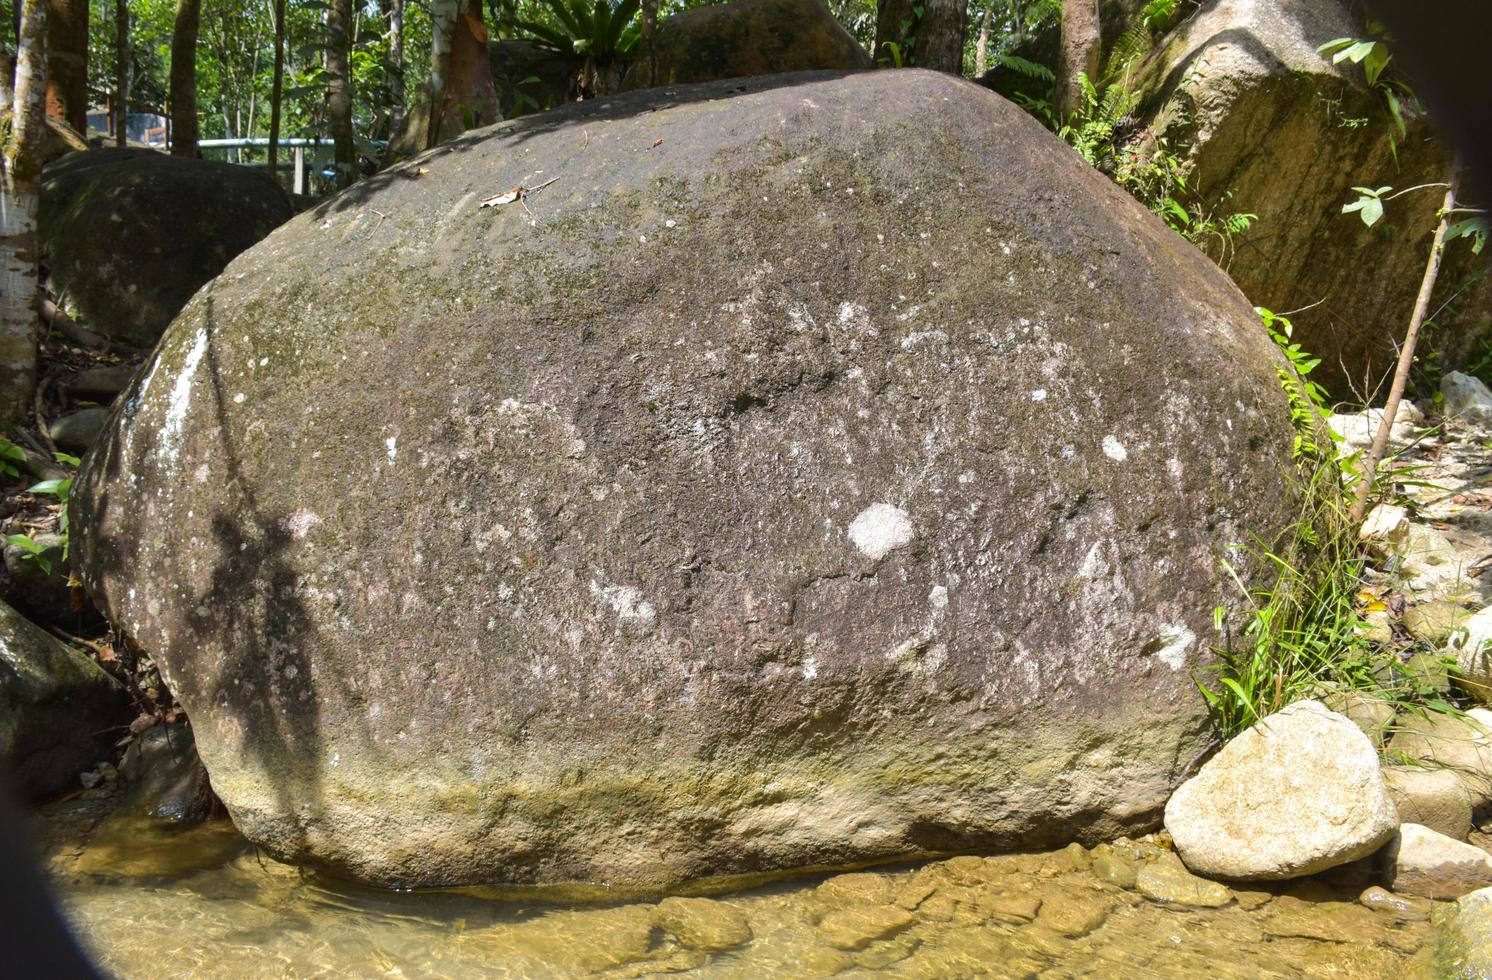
(203, 903)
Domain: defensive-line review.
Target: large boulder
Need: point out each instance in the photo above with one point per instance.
(129, 235)
(54, 705)
(1462, 943)
(1299, 792)
(843, 476)
(1264, 118)
(743, 38)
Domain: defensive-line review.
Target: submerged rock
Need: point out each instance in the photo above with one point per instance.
(1166, 880)
(1421, 862)
(1462, 945)
(130, 234)
(747, 528)
(743, 38)
(54, 705)
(1298, 793)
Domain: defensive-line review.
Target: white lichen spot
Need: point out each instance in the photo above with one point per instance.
(627, 602)
(1114, 449)
(1039, 395)
(880, 529)
(238, 398)
(810, 668)
(392, 442)
(299, 524)
(1175, 640)
(201, 473)
(938, 597)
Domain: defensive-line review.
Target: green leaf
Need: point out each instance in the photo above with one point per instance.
(25, 543)
(1336, 44)
(67, 460)
(54, 488)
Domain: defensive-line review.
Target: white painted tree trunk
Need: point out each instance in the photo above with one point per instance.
(20, 187)
(443, 17)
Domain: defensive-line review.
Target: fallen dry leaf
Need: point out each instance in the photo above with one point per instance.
(506, 197)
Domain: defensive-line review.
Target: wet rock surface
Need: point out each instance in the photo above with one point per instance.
(130, 235)
(722, 580)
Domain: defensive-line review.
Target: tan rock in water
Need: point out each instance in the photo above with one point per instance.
(1298, 793)
(1167, 881)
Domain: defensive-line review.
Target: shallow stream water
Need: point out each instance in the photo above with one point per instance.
(202, 903)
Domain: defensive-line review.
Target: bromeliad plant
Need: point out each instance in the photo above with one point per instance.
(602, 34)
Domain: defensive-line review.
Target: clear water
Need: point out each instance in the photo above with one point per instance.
(201, 903)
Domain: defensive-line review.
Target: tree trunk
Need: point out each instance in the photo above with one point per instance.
(981, 47)
(1078, 55)
(396, 64)
(940, 35)
(462, 93)
(67, 62)
(184, 78)
(339, 89)
(1365, 480)
(123, 67)
(21, 178)
(895, 23)
(276, 89)
(649, 31)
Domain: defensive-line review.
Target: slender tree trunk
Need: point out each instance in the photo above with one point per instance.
(276, 89)
(1406, 361)
(461, 89)
(895, 21)
(1078, 55)
(123, 68)
(339, 89)
(940, 35)
(649, 32)
(981, 47)
(396, 66)
(184, 78)
(67, 62)
(21, 178)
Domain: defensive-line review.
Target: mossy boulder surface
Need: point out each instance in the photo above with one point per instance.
(744, 38)
(130, 235)
(823, 468)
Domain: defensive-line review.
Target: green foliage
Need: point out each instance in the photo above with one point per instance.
(1302, 628)
(603, 32)
(59, 488)
(1373, 56)
(10, 455)
(1022, 66)
(1158, 14)
(1152, 172)
(1369, 204)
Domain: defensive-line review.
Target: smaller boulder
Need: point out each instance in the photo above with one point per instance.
(743, 38)
(1358, 429)
(1461, 744)
(1428, 561)
(1419, 861)
(102, 384)
(1466, 398)
(1435, 622)
(1372, 714)
(53, 703)
(1405, 908)
(78, 431)
(1462, 944)
(1434, 798)
(1473, 649)
(1298, 793)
